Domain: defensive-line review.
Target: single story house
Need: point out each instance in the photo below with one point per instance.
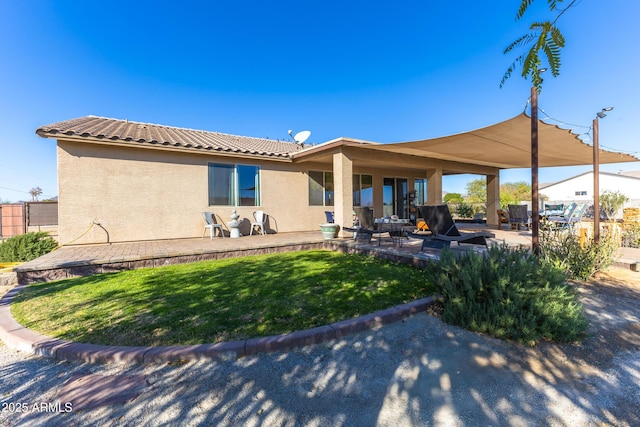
(120, 180)
(579, 188)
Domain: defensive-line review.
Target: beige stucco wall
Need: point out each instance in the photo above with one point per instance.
(113, 193)
(148, 194)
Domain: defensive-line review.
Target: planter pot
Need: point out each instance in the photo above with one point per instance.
(329, 231)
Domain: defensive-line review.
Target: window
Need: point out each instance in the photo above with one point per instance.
(420, 187)
(234, 185)
(316, 188)
(363, 190)
(581, 193)
(321, 189)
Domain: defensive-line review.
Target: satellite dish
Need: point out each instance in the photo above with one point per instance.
(301, 137)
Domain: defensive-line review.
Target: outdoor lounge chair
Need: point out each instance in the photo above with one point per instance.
(573, 218)
(550, 210)
(444, 230)
(519, 217)
(568, 212)
(367, 225)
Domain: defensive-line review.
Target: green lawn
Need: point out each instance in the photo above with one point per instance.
(215, 301)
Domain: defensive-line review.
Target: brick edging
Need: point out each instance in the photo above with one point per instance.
(20, 338)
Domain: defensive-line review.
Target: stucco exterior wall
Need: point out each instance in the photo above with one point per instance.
(115, 194)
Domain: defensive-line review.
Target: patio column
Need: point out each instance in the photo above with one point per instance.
(343, 190)
(493, 200)
(434, 186)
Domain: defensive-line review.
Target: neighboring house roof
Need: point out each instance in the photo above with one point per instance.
(101, 128)
(627, 175)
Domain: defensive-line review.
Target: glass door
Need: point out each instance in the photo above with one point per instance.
(395, 194)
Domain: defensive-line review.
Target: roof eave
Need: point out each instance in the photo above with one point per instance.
(286, 157)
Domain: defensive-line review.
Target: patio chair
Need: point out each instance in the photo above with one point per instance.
(210, 223)
(444, 230)
(259, 220)
(330, 217)
(519, 216)
(550, 210)
(503, 217)
(367, 226)
(574, 218)
(566, 215)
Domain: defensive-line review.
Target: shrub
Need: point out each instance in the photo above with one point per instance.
(563, 249)
(611, 202)
(509, 294)
(631, 236)
(464, 210)
(26, 247)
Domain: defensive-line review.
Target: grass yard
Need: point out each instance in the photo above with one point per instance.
(215, 301)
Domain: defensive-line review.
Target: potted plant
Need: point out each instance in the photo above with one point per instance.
(329, 230)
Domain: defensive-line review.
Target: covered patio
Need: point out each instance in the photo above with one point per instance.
(484, 151)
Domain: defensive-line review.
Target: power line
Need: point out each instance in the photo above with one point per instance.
(13, 189)
(564, 123)
(588, 133)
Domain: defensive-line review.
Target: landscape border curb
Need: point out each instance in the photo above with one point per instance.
(23, 339)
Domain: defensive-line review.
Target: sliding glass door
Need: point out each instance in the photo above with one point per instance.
(395, 197)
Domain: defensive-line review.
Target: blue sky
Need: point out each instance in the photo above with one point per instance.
(370, 70)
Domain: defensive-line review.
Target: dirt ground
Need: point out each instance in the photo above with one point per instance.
(612, 303)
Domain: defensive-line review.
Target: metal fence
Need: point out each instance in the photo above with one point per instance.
(18, 218)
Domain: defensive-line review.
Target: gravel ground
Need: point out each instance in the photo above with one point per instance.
(416, 372)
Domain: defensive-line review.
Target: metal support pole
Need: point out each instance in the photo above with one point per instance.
(535, 208)
(596, 183)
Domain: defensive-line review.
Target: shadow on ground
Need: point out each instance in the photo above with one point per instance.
(417, 372)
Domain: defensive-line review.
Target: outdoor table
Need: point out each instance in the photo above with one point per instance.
(395, 227)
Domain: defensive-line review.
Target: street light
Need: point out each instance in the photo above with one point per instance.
(596, 175)
(535, 208)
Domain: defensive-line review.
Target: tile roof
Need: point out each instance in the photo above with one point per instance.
(126, 131)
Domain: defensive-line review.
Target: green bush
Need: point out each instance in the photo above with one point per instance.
(464, 210)
(26, 247)
(562, 249)
(631, 236)
(509, 294)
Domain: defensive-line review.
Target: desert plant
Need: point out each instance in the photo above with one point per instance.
(25, 247)
(580, 260)
(631, 235)
(464, 210)
(611, 202)
(508, 293)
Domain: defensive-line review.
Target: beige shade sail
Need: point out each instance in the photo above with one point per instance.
(507, 145)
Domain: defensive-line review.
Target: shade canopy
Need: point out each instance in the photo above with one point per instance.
(507, 145)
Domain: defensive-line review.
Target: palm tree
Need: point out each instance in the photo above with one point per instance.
(35, 193)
